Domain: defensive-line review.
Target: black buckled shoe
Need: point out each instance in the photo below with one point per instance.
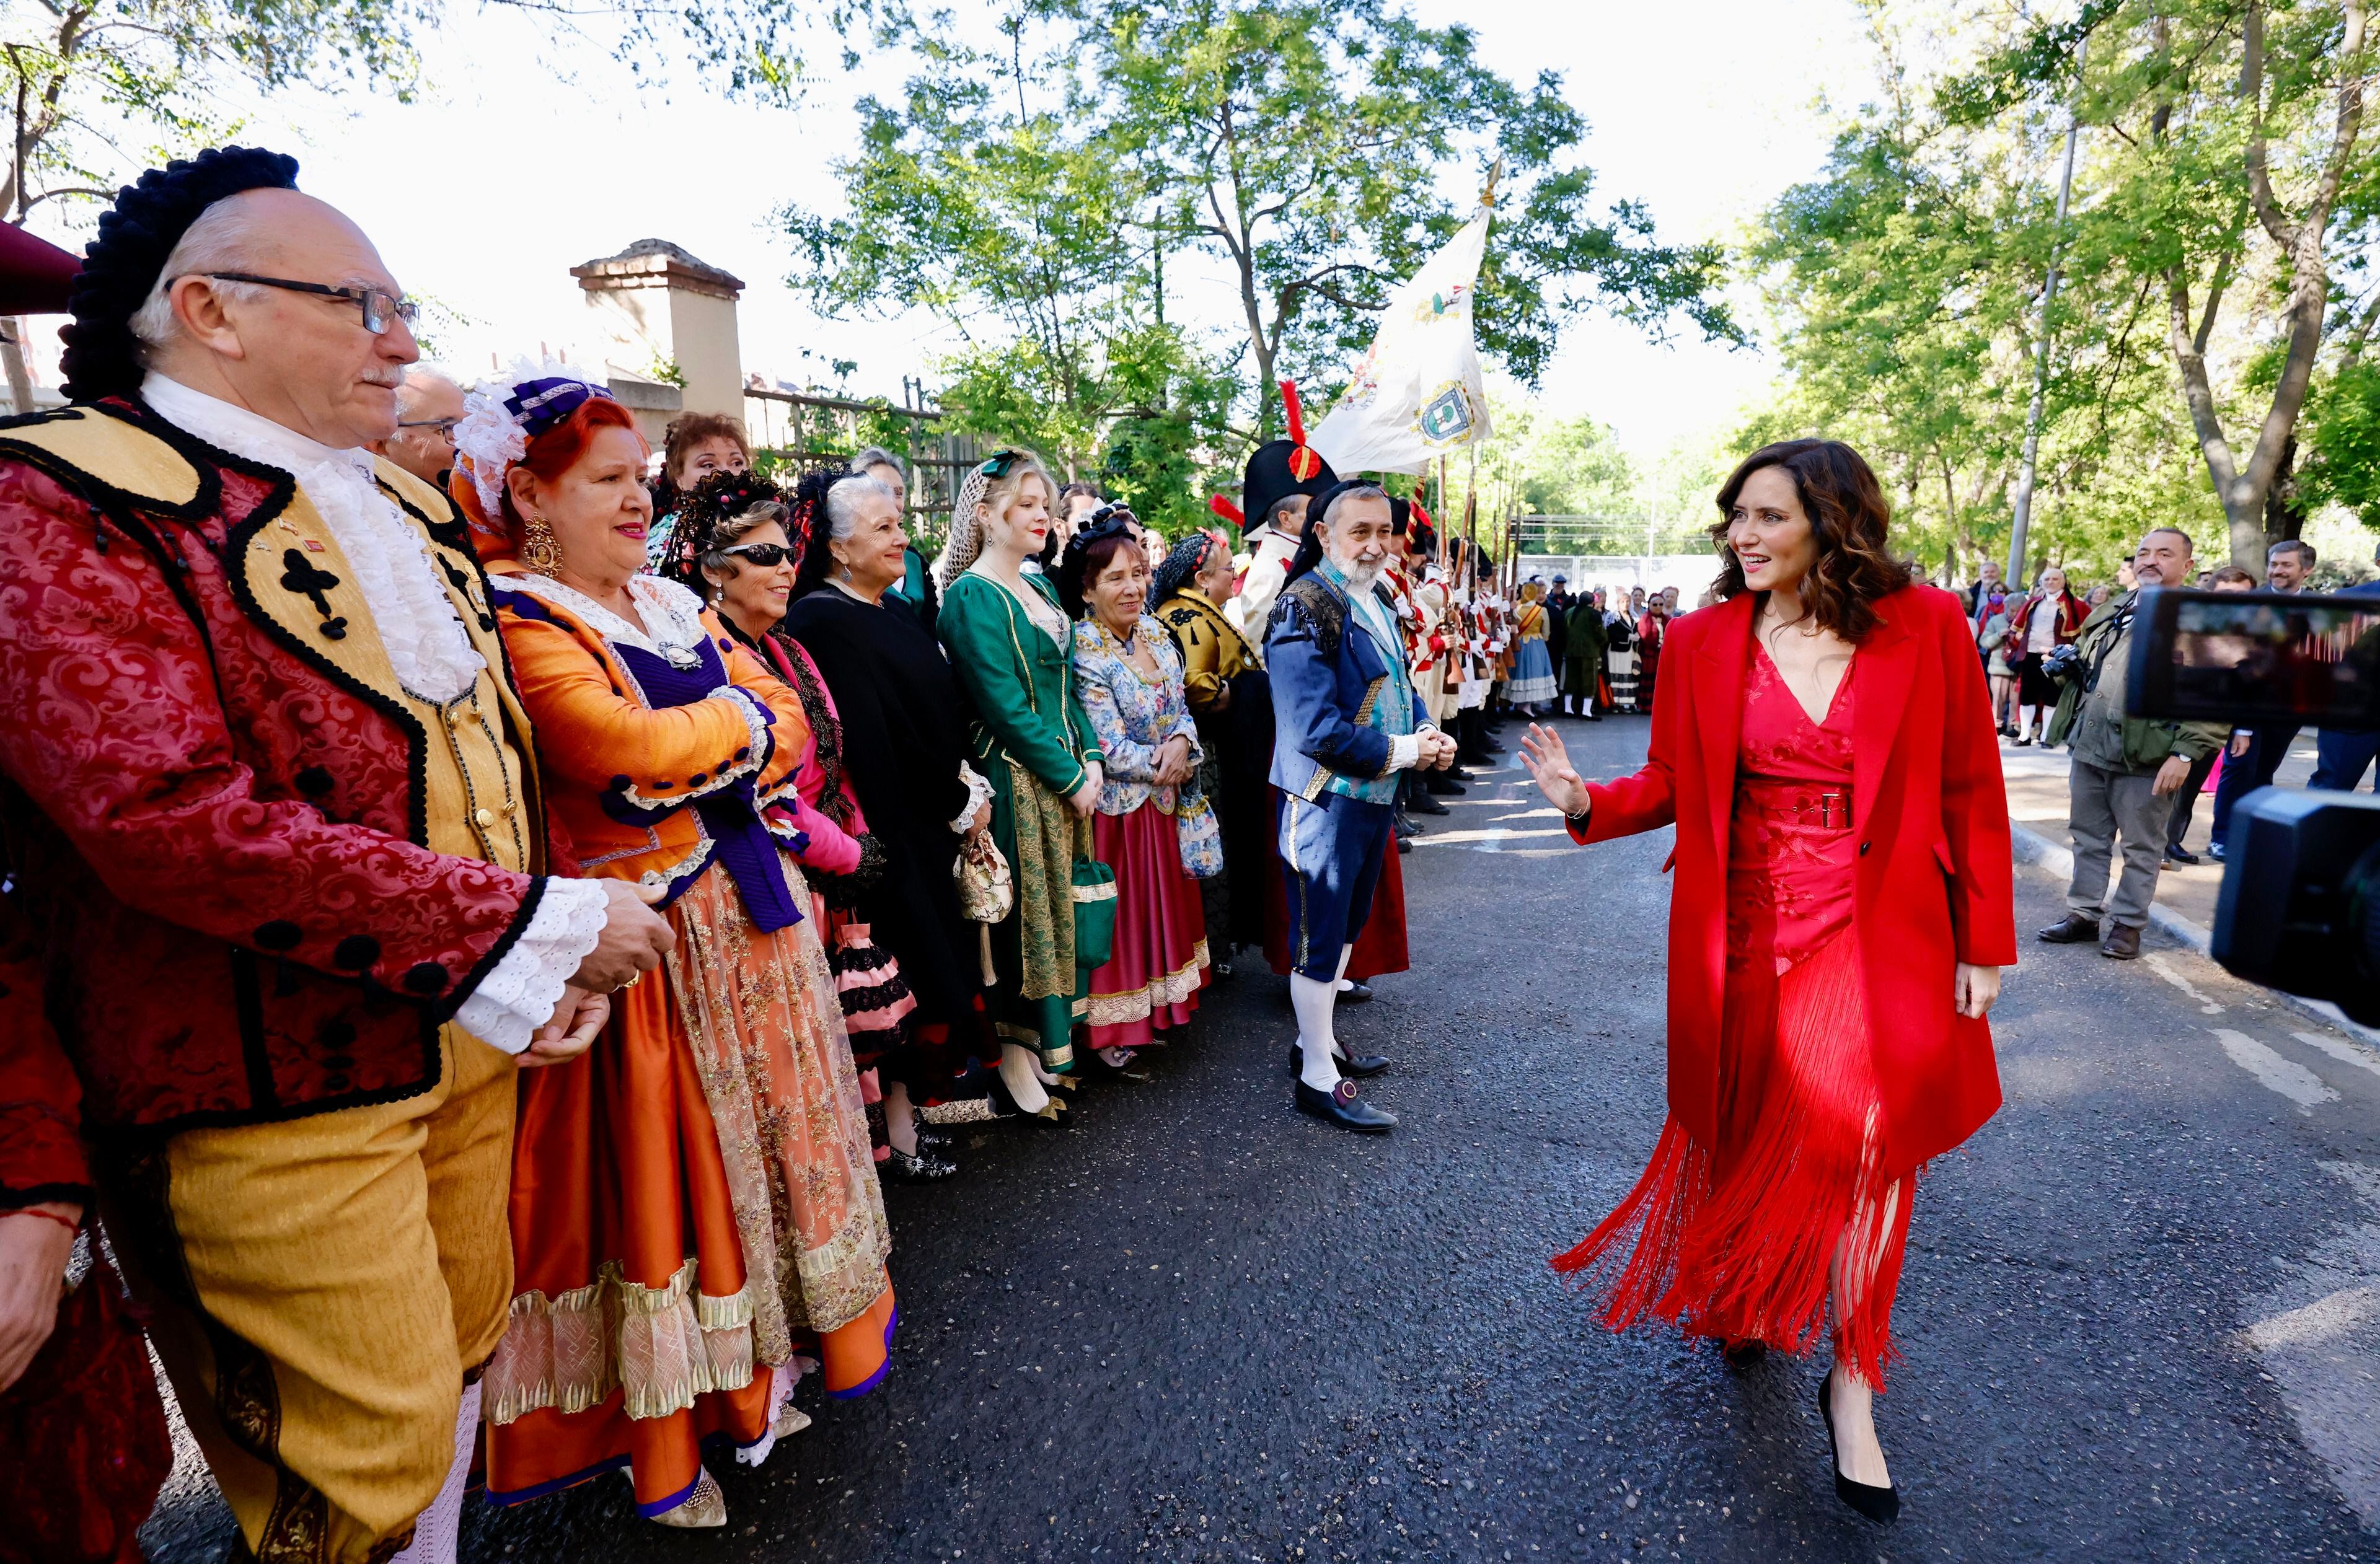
(1355, 993)
(1423, 804)
(1343, 1108)
(1362, 1066)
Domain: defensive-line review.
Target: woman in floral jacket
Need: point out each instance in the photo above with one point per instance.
(1130, 678)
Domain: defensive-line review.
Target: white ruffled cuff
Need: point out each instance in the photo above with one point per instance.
(518, 997)
(1404, 751)
(979, 795)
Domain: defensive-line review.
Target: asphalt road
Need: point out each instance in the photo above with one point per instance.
(2141, 1315)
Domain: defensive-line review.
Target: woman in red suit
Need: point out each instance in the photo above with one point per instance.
(1842, 912)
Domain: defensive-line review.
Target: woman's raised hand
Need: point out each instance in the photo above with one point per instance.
(1549, 764)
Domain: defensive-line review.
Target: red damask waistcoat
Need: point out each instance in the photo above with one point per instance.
(215, 799)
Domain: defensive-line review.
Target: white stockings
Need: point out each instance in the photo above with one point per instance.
(900, 1120)
(1021, 1073)
(1314, 1000)
(439, 1528)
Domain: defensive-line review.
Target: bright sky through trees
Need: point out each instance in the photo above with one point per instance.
(502, 176)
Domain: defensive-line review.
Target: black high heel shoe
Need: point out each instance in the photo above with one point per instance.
(1880, 1505)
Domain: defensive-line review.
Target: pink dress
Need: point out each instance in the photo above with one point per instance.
(1741, 1241)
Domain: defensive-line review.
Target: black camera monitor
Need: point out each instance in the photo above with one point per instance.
(2252, 658)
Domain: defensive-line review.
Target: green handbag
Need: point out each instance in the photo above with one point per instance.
(1095, 913)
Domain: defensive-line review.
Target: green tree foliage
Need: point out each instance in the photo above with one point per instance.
(1575, 466)
(991, 197)
(1029, 193)
(1904, 285)
(1324, 147)
(77, 71)
(2229, 188)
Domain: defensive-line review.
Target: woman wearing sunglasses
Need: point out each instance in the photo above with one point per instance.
(899, 945)
(1010, 644)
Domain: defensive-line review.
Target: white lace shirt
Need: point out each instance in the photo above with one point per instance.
(433, 659)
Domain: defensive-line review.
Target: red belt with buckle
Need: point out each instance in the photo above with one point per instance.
(1825, 808)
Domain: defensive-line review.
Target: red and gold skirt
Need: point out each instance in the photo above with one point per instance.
(1150, 984)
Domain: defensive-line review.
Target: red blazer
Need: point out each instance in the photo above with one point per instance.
(1933, 881)
(216, 826)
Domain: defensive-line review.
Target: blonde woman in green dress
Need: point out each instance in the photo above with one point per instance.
(1010, 644)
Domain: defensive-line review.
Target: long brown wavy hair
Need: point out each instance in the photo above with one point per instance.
(1849, 519)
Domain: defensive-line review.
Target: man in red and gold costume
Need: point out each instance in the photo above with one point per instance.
(264, 799)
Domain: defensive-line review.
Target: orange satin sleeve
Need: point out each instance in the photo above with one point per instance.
(587, 732)
(746, 672)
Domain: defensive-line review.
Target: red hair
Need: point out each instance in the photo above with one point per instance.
(550, 454)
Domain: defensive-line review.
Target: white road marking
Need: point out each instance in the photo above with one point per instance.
(2288, 1077)
(2163, 967)
(2324, 1319)
(2342, 1050)
(2317, 1338)
(1474, 838)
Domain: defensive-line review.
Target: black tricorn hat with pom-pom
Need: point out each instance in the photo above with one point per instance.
(135, 236)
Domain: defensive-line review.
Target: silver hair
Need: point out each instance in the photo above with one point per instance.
(226, 237)
(843, 502)
(876, 456)
(417, 376)
(1354, 492)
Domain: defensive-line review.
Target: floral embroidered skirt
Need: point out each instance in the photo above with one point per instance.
(1039, 997)
(1150, 983)
(693, 1203)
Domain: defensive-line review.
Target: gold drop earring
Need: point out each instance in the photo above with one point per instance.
(541, 550)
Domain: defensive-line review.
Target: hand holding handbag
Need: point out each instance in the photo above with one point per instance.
(1200, 833)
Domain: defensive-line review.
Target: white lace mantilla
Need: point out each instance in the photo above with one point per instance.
(673, 616)
(518, 997)
(432, 656)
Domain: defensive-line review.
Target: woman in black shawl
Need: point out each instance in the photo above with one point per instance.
(904, 747)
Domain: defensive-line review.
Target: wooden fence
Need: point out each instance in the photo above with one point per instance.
(809, 429)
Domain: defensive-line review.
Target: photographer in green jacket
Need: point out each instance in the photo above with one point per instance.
(2126, 770)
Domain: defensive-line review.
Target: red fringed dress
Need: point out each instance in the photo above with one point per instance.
(1742, 1241)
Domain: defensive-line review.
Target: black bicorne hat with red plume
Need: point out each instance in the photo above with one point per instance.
(1277, 470)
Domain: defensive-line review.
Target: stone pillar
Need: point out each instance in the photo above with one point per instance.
(657, 312)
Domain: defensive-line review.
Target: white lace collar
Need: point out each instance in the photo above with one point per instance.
(427, 646)
(672, 615)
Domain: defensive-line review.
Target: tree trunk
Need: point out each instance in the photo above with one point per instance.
(2285, 515)
(12, 361)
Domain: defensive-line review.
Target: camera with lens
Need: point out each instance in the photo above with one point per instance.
(2300, 909)
(2063, 663)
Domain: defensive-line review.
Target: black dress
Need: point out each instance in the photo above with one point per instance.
(904, 738)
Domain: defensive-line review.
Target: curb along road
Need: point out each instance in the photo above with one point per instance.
(2037, 850)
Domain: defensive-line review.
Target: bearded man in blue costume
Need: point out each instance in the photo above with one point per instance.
(1346, 720)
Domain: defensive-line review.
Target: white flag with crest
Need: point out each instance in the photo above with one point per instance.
(1417, 394)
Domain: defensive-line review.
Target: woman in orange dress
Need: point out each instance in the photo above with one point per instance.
(694, 1206)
